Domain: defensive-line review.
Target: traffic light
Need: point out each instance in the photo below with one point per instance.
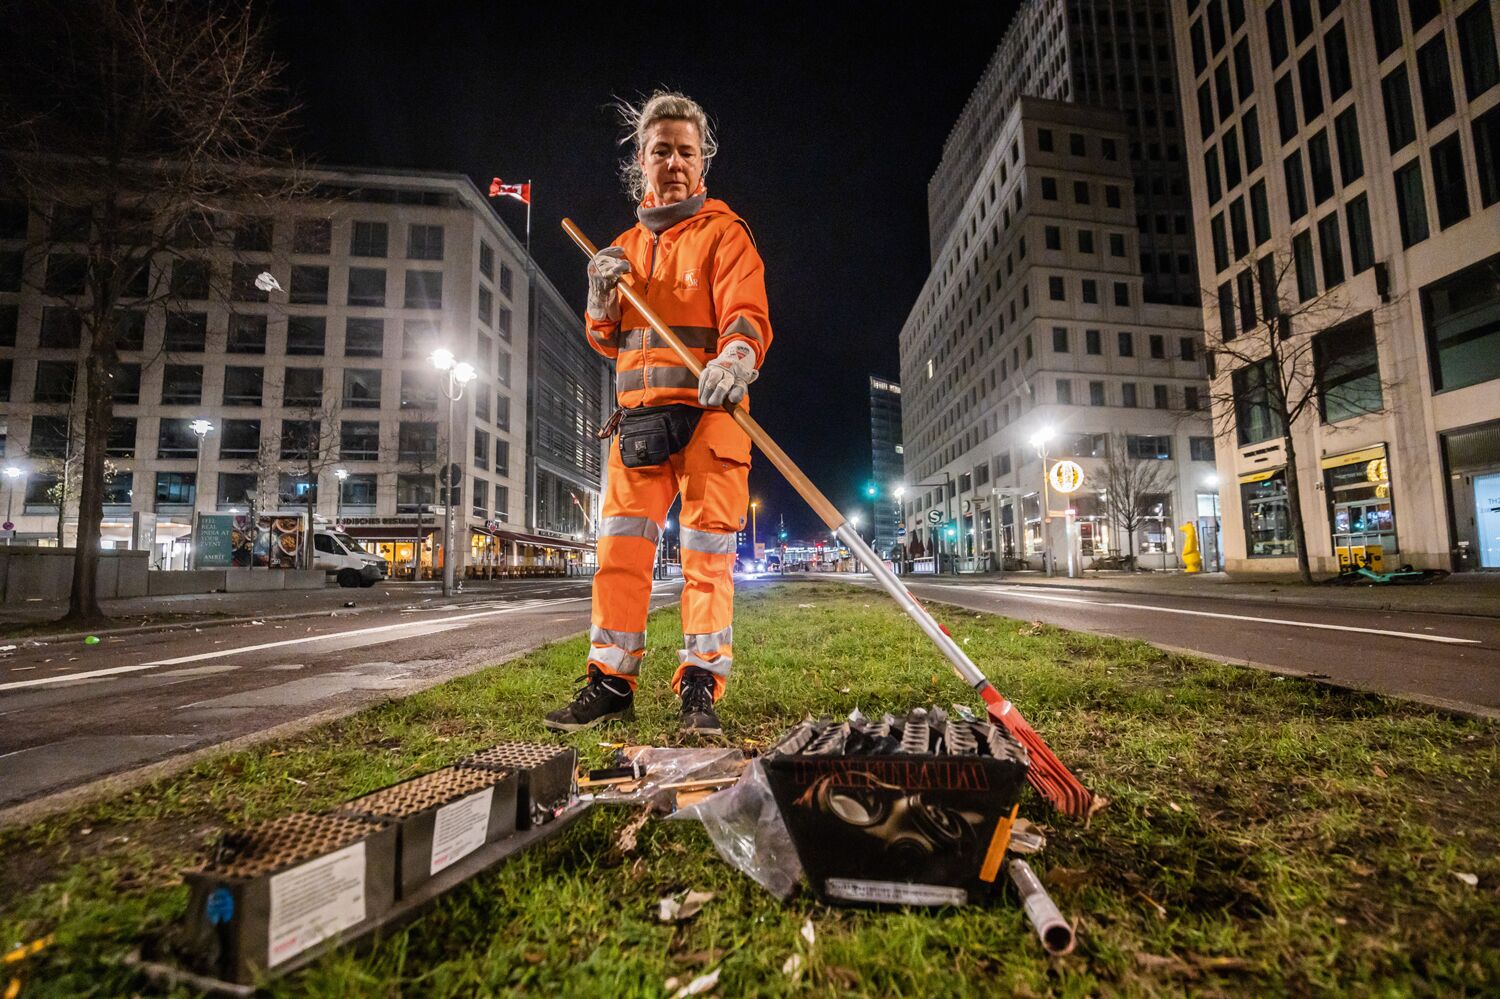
(951, 531)
(781, 535)
(872, 490)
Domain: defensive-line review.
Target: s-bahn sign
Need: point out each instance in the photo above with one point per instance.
(1066, 476)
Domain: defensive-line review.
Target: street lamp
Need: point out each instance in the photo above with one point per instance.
(338, 516)
(754, 546)
(16, 477)
(201, 428)
(460, 373)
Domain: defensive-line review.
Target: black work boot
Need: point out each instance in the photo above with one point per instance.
(602, 698)
(697, 691)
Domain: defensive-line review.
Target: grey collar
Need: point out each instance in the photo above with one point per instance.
(660, 218)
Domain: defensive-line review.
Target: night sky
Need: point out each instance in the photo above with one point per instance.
(830, 124)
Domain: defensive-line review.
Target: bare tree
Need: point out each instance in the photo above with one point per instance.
(60, 458)
(1133, 489)
(310, 447)
(1271, 366)
(138, 132)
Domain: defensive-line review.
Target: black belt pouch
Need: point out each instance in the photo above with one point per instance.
(649, 435)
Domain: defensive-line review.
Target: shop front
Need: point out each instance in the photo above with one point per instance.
(412, 550)
(1362, 517)
(1089, 514)
(499, 552)
(1472, 458)
(1268, 518)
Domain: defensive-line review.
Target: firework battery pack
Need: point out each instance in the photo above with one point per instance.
(899, 811)
(273, 891)
(441, 818)
(273, 896)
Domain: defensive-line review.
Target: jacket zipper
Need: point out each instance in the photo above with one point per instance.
(646, 344)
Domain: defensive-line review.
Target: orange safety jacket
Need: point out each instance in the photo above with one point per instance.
(704, 278)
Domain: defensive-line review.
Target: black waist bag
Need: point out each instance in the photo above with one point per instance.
(649, 435)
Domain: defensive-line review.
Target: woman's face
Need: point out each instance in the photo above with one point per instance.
(672, 158)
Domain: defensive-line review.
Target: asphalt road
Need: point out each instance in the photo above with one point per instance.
(1447, 660)
(71, 713)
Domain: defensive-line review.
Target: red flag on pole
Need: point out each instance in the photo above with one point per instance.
(521, 192)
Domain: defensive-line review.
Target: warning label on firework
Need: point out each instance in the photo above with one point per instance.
(460, 828)
(312, 902)
(893, 892)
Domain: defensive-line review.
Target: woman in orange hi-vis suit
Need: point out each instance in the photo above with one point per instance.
(696, 264)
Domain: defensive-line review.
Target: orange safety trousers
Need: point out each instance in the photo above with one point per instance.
(712, 474)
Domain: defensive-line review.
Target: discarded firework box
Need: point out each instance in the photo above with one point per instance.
(899, 811)
(441, 817)
(271, 892)
(546, 775)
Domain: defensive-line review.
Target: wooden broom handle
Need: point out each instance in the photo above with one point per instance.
(825, 510)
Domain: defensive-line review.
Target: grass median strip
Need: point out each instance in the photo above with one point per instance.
(1266, 834)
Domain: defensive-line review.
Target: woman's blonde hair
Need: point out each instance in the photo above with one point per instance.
(663, 105)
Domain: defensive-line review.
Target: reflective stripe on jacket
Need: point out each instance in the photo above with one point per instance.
(704, 278)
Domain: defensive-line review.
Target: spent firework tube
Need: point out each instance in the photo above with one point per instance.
(1055, 933)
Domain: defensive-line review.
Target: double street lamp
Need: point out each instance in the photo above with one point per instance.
(338, 516)
(460, 373)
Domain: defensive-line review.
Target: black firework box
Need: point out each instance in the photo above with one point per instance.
(899, 811)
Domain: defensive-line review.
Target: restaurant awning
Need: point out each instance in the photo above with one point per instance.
(536, 540)
(390, 532)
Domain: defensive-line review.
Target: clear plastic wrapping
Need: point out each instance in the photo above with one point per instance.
(747, 830)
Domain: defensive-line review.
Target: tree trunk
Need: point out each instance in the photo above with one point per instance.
(83, 599)
(1294, 507)
(1130, 555)
(416, 565)
(312, 504)
(1279, 398)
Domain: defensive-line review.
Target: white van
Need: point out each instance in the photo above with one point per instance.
(340, 555)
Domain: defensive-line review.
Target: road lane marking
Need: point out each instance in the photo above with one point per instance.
(1057, 598)
(221, 653)
(1444, 639)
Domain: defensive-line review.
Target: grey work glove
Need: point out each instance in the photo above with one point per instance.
(605, 270)
(727, 376)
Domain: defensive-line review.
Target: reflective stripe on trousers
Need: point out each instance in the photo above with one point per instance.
(616, 661)
(708, 542)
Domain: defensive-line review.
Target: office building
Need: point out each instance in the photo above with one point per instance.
(571, 395)
(1107, 53)
(1359, 143)
(1034, 322)
(887, 466)
(374, 272)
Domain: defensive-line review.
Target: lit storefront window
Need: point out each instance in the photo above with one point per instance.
(1268, 521)
(1031, 513)
(1361, 514)
(1157, 533)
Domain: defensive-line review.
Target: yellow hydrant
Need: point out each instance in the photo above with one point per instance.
(1192, 558)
